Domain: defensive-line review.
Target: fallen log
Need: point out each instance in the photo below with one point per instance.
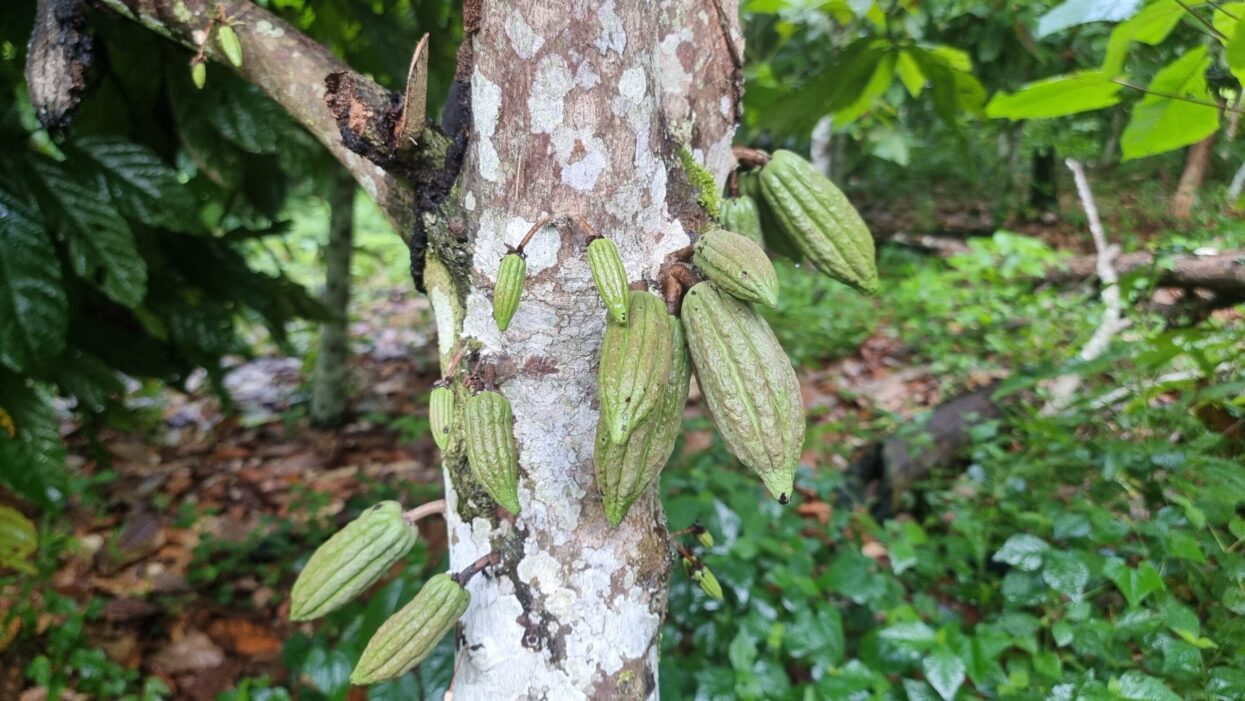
(1222, 272)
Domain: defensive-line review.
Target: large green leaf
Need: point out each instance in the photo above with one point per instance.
(1150, 26)
(33, 308)
(32, 460)
(1164, 120)
(833, 88)
(141, 184)
(1056, 97)
(955, 90)
(18, 540)
(1074, 12)
(101, 245)
(883, 76)
(1234, 50)
(87, 378)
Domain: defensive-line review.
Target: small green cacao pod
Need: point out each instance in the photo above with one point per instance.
(776, 239)
(410, 635)
(817, 216)
(351, 561)
(198, 74)
(491, 451)
(740, 214)
(737, 265)
(624, 470)
(441, 415)
(610, 276)
(708, 583)
(510, 276)
(748, 383)
(705, 538)
(635, 365)
(227, 39)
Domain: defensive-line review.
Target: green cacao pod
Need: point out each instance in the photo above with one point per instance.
(351, 561)
(441, 415)
(610, 276)
(410, 635)
(817, 216)
(776, 239)
(198, 74)
(635, 365)
(748, 383)
(740, 214)
(510, 276)
(737, 265)
(625, 470)
(227, 38)
(708, 583)
(491, 451)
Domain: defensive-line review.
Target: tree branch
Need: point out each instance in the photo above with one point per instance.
(56, 64)
(287, 65)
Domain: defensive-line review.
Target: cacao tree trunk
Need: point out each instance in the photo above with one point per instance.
(1191, 179)
(579, 109)
(330, 389)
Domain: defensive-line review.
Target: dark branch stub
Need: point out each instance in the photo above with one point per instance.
(60, 54)
(465, 575)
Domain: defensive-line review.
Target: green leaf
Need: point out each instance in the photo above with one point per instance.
(1161, 122)
(141, 184)
(88, 379)
(909, 72)
(1056, 97)
(883, 76)
(954, 89)
(1135, 584)
(835, 87)
(33, 307)
(1071, 13)
(945, 672)
(1234, 50)
(101, 246)
(912, 634)
(1066, 574)
(817, 637)
(1150, 26)
(1135, 686)
(18, 540)
(32, 461)
(1023, 551)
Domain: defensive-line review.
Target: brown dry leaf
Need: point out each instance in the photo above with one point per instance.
(192, 653)
(874, 550)
(819, 510)
(246, 638)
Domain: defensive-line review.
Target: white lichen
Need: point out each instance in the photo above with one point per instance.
(485, 111)
(546, 103)
(523, 39)
(613, 37)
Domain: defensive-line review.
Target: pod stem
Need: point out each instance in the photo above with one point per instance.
(540, 224)
(423, 510)
(465, 575)
(453, 366)
(750, 157)
(676, 279)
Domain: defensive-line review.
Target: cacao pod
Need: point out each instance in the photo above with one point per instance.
(625, 470)
(817, 216)
(441, 415)
(227, 38)
(705, 538)
(776, 239)
(351, 561)
(748, 383)
(411, 634)
(708, 583)
(740, 214)
(610, 276)
(510, 276)
(635, 364)
(198, 74)
(491, 452)
(738, 266)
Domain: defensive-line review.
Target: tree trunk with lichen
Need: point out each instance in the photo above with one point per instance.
(591, 109)
(330, 385)
(583, 110)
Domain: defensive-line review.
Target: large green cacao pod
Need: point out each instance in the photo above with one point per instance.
(738, 266)
(740, 214)
(625, 470)
(509, 288)
(610, 276)
(441, 415)
(409, 635)
(351, 561)
(491, 451)
(748, 383)
(227, 39)
(817, 216)
(635, 364)
(776, 239)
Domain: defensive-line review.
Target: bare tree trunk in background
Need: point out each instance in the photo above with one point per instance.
(1110, 151)
(1191, 180)
(1043, 195)
(820, 146)
(330, 391)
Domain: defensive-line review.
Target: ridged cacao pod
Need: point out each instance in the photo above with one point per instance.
(610, 276)
(491, 451)
(635, 365)
(441, 415)
(748, 383)
(411, 634)
(351, 561)
(776, 239)
(708, 583)
(738, 266)
(227, 38)
(817, 216)
(740, 214)
(511, 274)
(625, 470)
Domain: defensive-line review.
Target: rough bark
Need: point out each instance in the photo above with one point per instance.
(330, 384)
(287, 65)
(1191, 179)
(59, 55)
(577, 109)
